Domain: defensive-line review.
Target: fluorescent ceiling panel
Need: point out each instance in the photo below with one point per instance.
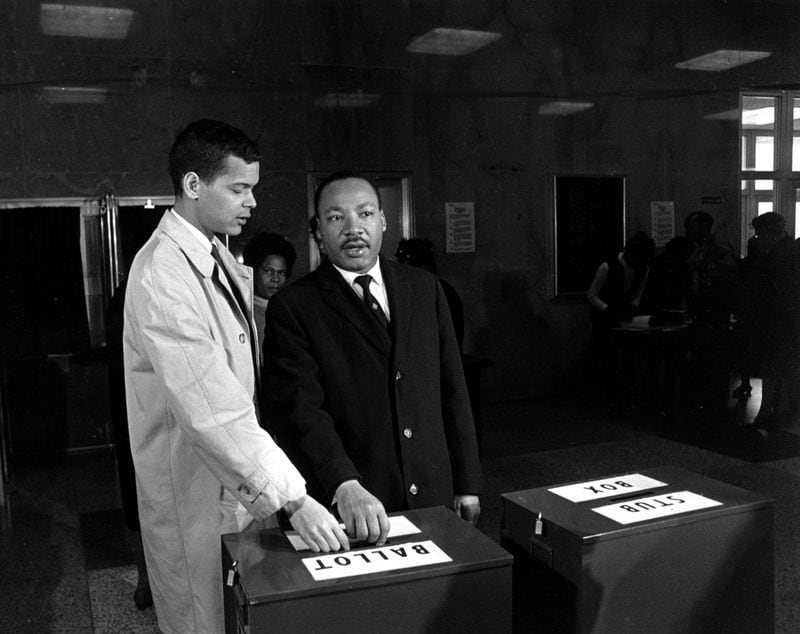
(73, 94)
(442, 41)
(346, 100)
(73, 20)
(723, 59)
(564, 107)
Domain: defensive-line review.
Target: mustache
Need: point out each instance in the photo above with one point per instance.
(355, 242)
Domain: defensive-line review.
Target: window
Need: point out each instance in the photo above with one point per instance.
(770, 158)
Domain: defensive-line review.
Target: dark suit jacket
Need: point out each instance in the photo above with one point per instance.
(347, 401)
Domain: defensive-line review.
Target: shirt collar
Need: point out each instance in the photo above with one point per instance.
(375, 272)
(193, 230)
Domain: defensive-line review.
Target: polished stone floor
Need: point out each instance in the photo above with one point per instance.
(66, 564)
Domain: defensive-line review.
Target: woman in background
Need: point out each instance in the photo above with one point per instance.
(271, 257)
(614, 297)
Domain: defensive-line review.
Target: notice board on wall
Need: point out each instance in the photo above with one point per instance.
(589, 224)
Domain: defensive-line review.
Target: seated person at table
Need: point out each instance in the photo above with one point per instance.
(619, 282)
(614, 297)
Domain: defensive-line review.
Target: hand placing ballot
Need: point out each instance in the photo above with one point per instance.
(364, 517)
(320, 533)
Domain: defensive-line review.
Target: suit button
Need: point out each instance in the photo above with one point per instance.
(407, 432)
(241, 337)
(413, 489)
(397, 376)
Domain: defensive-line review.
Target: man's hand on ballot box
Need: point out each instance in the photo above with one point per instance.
(364, 517)
(317, 526)
(468, 507)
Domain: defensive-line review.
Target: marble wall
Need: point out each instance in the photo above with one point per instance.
(467, 128)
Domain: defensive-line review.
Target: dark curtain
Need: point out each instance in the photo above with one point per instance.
(43, 308)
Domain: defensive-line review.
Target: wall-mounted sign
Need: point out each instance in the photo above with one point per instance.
(662, 221)
(711, 200)
(460, 223)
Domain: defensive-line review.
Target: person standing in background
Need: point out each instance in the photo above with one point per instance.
(271, 257)
(771, 315)
(711, 298)
(419, 252)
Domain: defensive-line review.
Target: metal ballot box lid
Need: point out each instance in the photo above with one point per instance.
(552, 522)
(469, 580)
(659, 551)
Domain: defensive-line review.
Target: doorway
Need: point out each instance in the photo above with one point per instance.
(55, 264)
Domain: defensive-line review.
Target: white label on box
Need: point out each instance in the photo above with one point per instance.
(371, 560)
(399, 525)
(649, 508)
(597, 489)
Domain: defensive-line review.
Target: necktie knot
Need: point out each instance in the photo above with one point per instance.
(374, 307)
(364, 281)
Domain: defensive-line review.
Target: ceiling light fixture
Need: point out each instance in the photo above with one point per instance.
(564, 107)
(723, 59)
(358, 99)
(72, 20)
(443, 41)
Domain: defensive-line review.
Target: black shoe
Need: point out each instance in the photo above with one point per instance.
(143, 598)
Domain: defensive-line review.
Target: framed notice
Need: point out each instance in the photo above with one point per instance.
(662, 221)
(460, 223)
(589, 227)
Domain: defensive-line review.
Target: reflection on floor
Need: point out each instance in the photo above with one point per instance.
(67, 567)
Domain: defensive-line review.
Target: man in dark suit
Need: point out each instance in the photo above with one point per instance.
(368, 396)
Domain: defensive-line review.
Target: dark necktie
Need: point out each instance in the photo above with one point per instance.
(370, 301)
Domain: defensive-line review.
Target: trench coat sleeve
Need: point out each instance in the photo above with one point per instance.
(296, 398)
(207, 399)
(459, 425)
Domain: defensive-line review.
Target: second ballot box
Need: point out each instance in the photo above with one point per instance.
(661, 550)
(435, 574)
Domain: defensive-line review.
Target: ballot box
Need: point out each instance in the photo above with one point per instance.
(435, 574)
(661, 550)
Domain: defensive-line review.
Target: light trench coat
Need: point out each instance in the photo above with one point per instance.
(204, 466)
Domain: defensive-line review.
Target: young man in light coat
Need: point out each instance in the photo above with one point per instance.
(204, 465)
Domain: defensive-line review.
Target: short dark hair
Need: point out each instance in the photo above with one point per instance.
(770, 222)
(202, 147)
(340, 176)
(701, 217)
(268, 243)
(640, 244)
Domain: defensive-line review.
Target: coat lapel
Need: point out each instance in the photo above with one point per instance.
(400, 295)
(344, 301)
